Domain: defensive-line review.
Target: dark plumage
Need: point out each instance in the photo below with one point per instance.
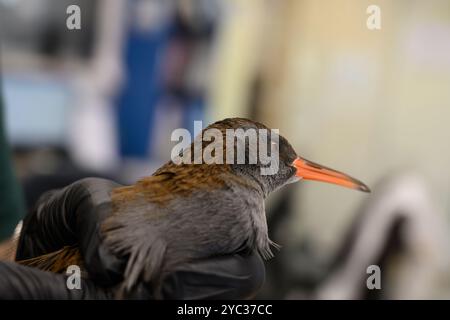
(195, 211)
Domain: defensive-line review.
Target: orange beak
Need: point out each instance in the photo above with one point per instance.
(312, 171)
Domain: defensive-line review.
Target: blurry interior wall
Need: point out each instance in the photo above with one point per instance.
(368, 102)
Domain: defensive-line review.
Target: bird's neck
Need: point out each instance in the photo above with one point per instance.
(251, 180)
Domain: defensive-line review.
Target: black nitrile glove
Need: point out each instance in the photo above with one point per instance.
(73, 215)
(26, 283)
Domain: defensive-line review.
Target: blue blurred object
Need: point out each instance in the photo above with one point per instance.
(137, 101)
(160, 60)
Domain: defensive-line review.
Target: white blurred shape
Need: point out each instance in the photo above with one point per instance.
(420, 270)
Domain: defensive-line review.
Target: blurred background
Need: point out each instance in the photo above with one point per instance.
(103, 101)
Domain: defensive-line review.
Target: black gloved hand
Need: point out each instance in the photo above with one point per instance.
(73, 215)
(26, 283)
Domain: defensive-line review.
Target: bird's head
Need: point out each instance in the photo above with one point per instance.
(270, 160)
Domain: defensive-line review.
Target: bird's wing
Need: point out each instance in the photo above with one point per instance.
(134, 228)
(132, 232)
(143, 246)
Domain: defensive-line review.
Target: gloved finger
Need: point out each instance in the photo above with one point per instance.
(47, 227)
(237, 276)
(21, 282)
(53, 222)
(72, 216)
(102, 265)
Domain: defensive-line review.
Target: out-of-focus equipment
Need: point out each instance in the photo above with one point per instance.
(402, 232)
